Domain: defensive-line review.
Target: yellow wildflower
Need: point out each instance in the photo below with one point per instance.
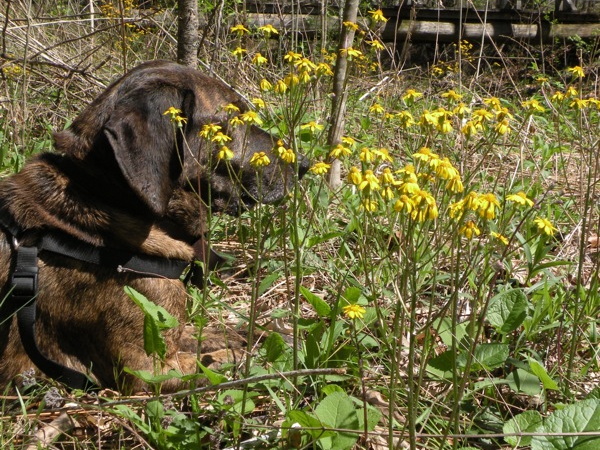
(239, 29)
(320, 168)
(576, 71)
(487, 206)
(339, 150)
(349, 141)
(520, 198)
(410, 95)
(220, 138)
(258, 102)
(494, 102)
(260, 159)
(366, 155)
(376, 44)
(312, 126)
(354, 311)
(452, 95)
(579, 103)
(259, 59)
(369, 205)
(350, 52)
(469, 229)
(404, 203)
(461, 110)
(571, 92)
(369, 181)
(281, 87)
(208, 130)
(239, 52)
(425, 154)
(471, 128)
(482, 115)
(355, 176)
(350, 25)
(175, 116)
(292, 56)
(235, 121)
(383, 154)
(500, 237)
(265, 85)
(231, 108)
(377, 16)
(225, 153)
(251, 117)
(376, 108)
(267, 30)
(533, 105)
(406, 119)
(387, 177)
(502, 127)
(545, 226)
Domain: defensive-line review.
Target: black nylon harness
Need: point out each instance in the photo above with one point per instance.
(24, 286)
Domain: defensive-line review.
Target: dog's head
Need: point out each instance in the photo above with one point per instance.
(156, 157)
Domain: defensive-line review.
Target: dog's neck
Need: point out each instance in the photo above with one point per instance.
(91, 217)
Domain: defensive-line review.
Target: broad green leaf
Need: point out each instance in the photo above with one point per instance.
(540, 372)
(521, 380)
(150, 378)
(159, 314)
(352, 294)
(443, 363)
(275, 347)
(580, 417)
(267, 282)
(486, 357)
(526, 422)
(508, 310)
(337, 411)
(320, 306)
(313, 426)
(213, 377)
(154, 343)
(373, 417)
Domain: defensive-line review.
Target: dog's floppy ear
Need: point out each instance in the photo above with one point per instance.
(144, 144)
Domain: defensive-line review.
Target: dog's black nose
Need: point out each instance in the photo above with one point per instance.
(303, 165)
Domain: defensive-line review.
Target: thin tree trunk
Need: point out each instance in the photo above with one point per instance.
(340, 77)
(187, 33)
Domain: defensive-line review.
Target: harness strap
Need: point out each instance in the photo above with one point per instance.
(24, 290)
(122, 261)
(24, 281)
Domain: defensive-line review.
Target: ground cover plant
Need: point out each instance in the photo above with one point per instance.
(445, 296)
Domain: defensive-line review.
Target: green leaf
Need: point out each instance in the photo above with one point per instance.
(150, 378)
(352, 295)
(337, 411)
(373, 418)
(320, 306)
(313, 425)
(526, 422)
(521, 380)
(275, 347)
(580, 417)
(160, 315)
(486, 357)
(154, 343)
(213, 377)
(508, 310)
(267, 282)
(156, 318)
(540, 372)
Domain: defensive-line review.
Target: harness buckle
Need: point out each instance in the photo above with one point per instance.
(25, 276)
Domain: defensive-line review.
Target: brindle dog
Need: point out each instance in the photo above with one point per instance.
(125, 179)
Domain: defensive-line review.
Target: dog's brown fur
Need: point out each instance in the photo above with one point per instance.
(125, 177)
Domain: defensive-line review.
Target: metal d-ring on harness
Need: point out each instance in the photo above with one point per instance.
(24, 286)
